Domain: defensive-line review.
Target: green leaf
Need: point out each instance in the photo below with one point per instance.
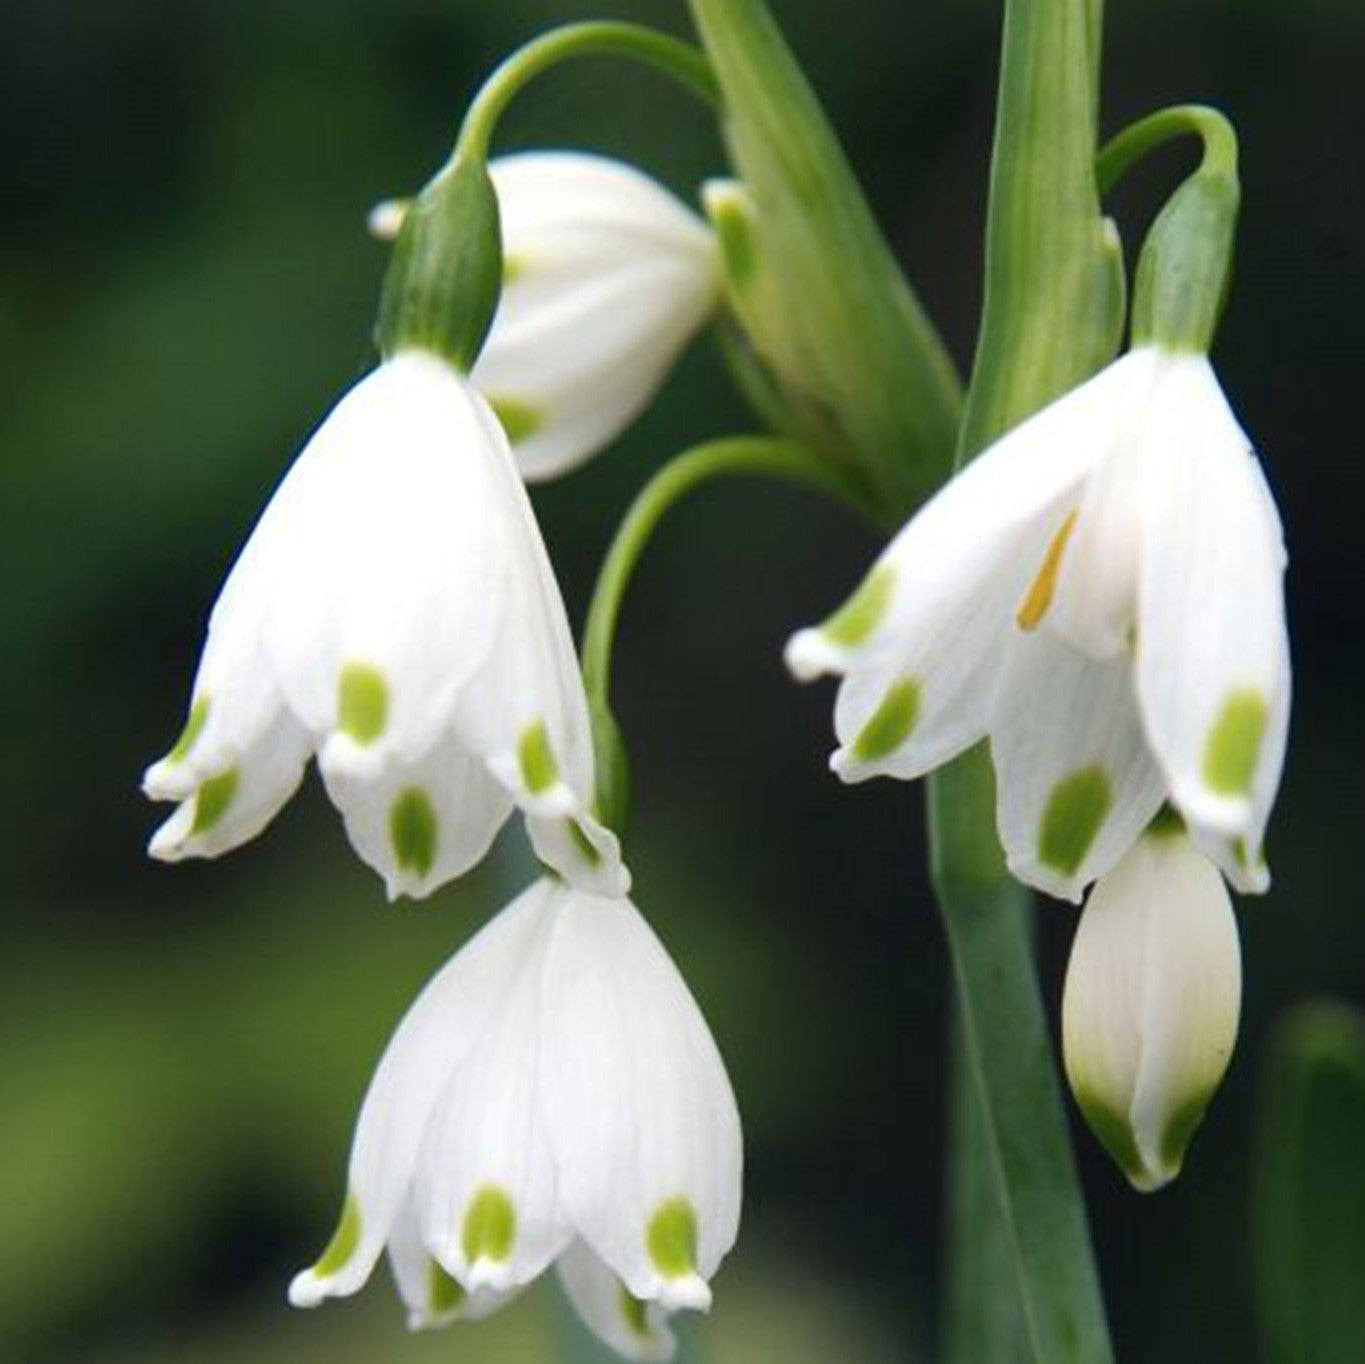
(1309, 1191)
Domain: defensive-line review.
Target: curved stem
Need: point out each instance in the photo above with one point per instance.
(600, 38)
(1121, 153)
(767, 456)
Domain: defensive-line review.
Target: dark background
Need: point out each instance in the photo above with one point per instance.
(185, 286)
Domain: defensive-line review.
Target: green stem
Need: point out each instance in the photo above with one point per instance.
(1140, 139)
(599, 38)
(768, 456)
(1053, 314)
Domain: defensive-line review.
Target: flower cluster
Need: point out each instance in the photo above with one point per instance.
(1100, 594)
(554, 1095)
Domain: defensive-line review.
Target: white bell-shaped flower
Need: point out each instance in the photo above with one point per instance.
(553, 1095)
(1153, 992)
(606, 279)
(394, 612)
(1100, 592)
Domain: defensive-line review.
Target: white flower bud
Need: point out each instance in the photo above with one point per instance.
(1153, 991)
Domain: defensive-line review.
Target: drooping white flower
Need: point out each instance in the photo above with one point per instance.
(606, 278)
(394, 612)
(1100, 592)
(1153, 992)
(553, 1095)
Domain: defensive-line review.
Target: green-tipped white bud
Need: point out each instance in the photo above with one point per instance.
(1153, 992)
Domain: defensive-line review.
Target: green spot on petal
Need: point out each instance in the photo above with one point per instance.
(362, 703)
(1075, 810)
(671, 1239)
(860, 615)
(444, 1294)
(891, 723)
(1175, 1136)
(1166, 823)
(194, 727)
(212, 800)
(1112, 1131)
(519, 420)
(538, 767)
(1234, 743)
(584, 845)
(413, 830)
(490, 1226)
(343, 1243)
(633, 1313)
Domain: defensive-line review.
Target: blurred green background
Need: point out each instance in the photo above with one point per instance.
(185, 285)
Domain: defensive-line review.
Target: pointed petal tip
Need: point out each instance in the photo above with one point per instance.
(487, 1275)
(1043, 879)
(306, 1289)
(808, 655)
(342, 757)
(167, 779)
(689, 1292)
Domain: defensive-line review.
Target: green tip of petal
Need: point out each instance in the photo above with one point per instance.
(212, 800)
(583, 845)
(519, 420)
(671, 1239)
(860, 615)
(490, 1226)
(1073, 815)
(633, 1313)
(362, 703)
(1234, 743)
(891, 724)
(413, 831)
(1166, 823)
(444, 1294)
(194, 727)
(537, 760)
(1112, 1131)
(343, 1243)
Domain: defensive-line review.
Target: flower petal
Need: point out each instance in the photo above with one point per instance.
(608, 277)
(421, 825)
(920, 639)
(643, 1123)
(432, 1297)
(392, 584)
(445, 1022)
(1213, 650)
(1076, 783)
(486, 1187)
(634, 1329)
(226, 809)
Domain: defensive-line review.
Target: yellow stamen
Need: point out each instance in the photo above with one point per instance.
(1039, 596)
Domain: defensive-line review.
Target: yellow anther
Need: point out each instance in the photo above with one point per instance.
(1039, 596)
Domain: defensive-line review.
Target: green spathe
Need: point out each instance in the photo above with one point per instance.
(362, 703)
(862, 375)
(672, 1239)
(1073, 815)
(1234, 742)
(490, 1226)
(445, 276)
